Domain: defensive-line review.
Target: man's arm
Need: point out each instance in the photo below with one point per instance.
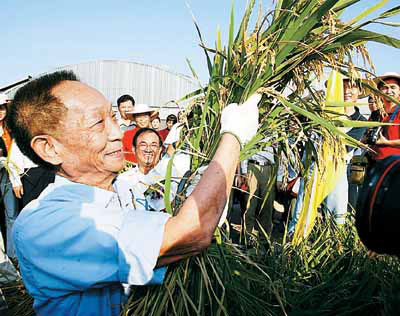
(192, 229)
(383, 141)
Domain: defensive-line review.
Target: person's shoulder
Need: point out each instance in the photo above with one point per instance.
(174, 133)
(129, 175)
(362, 118)
(131, 132)
(53, 205)
(398, 113)
(163, 133)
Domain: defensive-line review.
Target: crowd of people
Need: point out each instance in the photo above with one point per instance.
(78, 220)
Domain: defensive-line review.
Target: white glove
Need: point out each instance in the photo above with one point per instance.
(241, 120)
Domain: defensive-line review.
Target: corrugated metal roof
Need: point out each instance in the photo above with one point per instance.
(148, 84)
(153, 85)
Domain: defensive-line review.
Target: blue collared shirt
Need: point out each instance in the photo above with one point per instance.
(76, 244)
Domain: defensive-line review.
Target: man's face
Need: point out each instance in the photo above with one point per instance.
(391, 88)
(142, 120)
(372, 104)
(351, 91)
(147, 150)
(170, 124)
(126, 107)
(155, 123)
(89, 137)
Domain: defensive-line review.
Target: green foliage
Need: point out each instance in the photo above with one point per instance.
(328, 274)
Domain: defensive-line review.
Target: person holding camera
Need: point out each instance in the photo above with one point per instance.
(388, 140)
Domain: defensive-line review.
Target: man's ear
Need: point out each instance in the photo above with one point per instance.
(47, 148)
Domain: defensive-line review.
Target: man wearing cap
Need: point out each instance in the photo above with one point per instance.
(126, 105)
(142, 116)
(388, 144)
(82, 237)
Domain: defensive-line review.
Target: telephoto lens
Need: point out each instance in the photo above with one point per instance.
(378, 209)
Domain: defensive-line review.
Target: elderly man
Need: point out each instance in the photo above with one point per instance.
(82, 237)
(126, 105)
(142, 116)
(388, 144)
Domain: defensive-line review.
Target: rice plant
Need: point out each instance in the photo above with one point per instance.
(328, 273)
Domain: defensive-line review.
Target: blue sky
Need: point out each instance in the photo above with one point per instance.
(37, 36)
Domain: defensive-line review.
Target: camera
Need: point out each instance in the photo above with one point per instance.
(373, 135)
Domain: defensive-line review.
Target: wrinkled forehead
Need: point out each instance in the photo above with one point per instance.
(81, 100)
(148, 136)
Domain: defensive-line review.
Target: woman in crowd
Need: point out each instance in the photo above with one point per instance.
(171, 121)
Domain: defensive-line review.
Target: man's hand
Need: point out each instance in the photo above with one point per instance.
(18, 191)
(241, 120)
(382, 140)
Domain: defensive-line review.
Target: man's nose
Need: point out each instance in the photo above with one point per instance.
(114, 131)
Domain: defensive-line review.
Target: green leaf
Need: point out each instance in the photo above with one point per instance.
(167, 188)
(230, 40)
(245, 21)
(369, 11)
(302, 26)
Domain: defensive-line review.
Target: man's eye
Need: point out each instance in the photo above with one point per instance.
(98, 123)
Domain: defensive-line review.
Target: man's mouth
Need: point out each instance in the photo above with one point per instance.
(115, 153)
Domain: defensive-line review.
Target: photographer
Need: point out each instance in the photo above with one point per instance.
(388, 141)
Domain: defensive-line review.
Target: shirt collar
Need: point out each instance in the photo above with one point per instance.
(98, 195)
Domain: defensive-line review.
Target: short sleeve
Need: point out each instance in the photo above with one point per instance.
(139, 243)
(74, 250)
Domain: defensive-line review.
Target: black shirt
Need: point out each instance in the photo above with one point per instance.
(356, 132)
